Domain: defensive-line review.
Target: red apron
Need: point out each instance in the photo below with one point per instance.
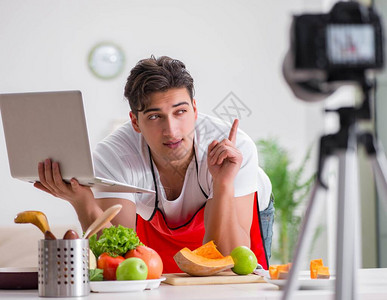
(167, 241)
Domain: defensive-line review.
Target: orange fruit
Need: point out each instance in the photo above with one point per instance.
(151, 258)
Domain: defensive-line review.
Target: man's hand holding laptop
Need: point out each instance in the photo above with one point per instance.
(79, 196)
(51, 181)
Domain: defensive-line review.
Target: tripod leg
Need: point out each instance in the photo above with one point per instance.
(379, 166)
(357, 260)
(347, 226)
(304, 240)
(378, 160)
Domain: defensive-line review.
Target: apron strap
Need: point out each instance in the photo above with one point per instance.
(156, 207)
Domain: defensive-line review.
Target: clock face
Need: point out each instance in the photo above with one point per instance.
(106, 60)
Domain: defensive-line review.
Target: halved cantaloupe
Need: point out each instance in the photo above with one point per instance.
(203, 261)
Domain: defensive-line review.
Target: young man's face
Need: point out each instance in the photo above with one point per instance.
(168, 124)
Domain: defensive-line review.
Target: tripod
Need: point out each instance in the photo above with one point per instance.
(343, 144)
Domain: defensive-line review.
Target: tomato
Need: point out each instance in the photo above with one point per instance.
(109, 265)
(151, 258)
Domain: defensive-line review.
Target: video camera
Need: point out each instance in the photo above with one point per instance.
(338, 46)
(348, 37)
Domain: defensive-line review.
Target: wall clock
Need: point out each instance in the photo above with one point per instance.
(106, 60)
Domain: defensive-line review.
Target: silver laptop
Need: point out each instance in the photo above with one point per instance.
(52, 125)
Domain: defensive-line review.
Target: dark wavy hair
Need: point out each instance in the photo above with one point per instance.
(154, 75)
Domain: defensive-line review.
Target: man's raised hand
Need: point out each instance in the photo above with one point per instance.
(224, 159)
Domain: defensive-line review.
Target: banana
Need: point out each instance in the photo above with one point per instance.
(37, 218)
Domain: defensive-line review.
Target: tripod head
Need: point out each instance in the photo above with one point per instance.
(348, 116)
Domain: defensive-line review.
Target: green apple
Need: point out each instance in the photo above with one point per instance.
(133, 268)
(245, 260)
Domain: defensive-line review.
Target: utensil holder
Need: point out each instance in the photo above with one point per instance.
(63, 268)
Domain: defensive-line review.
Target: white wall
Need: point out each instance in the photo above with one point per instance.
(228, 46)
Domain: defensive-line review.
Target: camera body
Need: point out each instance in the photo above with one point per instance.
(344, 42)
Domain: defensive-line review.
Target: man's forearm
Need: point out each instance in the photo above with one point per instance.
(87, 211)
(221, 220)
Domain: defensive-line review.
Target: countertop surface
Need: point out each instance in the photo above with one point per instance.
(372, 285)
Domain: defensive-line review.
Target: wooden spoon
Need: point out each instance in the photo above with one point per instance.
(37, 218)
(101, 221)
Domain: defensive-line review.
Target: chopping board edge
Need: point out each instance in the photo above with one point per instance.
(225, 278)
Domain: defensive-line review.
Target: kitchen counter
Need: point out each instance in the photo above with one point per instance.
(372, 285)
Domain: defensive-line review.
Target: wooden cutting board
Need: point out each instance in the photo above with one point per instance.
(220, 278)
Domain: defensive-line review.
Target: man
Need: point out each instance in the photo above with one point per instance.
(205, 185)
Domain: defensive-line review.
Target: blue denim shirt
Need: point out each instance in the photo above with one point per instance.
(267, 221)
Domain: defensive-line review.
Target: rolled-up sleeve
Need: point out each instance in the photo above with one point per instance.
(108, 165)
(251, 177)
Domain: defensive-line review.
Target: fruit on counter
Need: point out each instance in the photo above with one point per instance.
(273, 271)
(318, 270)
(283, 271)
(109, 262)
(132, 268)
(314, 264)
(202, 265)
(151, 258)
(323, 272)
(279, 271)
(244, 259)
(70, 235)
(35, 217)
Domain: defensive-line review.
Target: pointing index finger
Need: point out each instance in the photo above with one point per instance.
(233, 131)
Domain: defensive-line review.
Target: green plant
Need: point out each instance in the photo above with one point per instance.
(290, 188)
